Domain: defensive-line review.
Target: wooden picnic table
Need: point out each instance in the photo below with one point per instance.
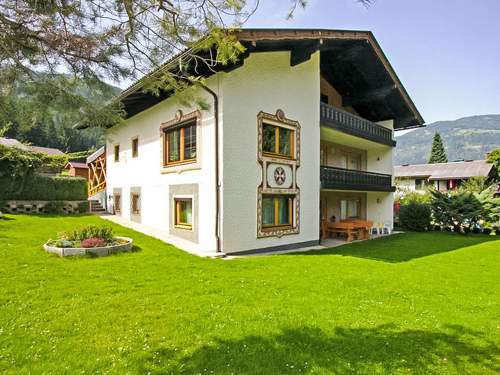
(351, 228)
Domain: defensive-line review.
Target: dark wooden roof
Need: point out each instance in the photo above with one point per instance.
(352, 61)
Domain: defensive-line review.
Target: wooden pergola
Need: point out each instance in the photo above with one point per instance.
(97, 171)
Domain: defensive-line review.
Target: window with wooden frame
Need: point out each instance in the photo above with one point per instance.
(277, 210)
(278, 141)
(350, 209)
(135, 147)
(135, 205)
(117, 203)
(117, 153)
(183, 213)
(180, 144)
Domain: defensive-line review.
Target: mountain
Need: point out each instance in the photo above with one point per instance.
(466, 138)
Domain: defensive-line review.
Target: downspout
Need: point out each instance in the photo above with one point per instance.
(217, 182)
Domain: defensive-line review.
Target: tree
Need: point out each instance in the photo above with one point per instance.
(98, 40)
(438, 153)
(494, 158)
(461, 211)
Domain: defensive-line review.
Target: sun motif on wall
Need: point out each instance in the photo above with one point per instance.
(279, 176)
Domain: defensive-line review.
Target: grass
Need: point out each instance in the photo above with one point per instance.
(412, 303)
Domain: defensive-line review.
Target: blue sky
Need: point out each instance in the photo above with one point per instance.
(446, 52)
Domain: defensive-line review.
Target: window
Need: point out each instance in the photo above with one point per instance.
(135, 147)
(118, 203)
(183, 214)
(277, 210)
(134, 198)
(180, 144)
(277, 141)
(418, 184)
(351, 161)
(117, 153)
(349, 209)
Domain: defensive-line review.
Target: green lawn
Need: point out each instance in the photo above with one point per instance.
(410, 303)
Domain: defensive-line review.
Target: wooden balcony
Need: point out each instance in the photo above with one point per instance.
(338, 119)
(348, 179)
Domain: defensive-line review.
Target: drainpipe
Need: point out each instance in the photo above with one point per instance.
(217, 182)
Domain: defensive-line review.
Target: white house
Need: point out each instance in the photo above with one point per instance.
(299, 130)
(441, 176)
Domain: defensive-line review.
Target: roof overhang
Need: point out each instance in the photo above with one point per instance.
(351, 60)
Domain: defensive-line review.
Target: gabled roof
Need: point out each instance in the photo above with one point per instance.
(10, 142)
(96, 154)
(351, 60)
(74, 164)
(444, 171)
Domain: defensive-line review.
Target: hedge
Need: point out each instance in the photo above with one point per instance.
(45, 188)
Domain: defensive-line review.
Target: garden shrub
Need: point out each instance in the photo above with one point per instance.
(54, 207)
(90, 231)
(45, 188)
(461, 211)
(415, 216)
(83, 207)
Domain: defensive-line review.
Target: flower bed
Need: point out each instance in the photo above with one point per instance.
(90, 240)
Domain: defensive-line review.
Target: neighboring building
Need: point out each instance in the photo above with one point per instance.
(441, 176)
(301, 128)
(76, 169)
(10, 142)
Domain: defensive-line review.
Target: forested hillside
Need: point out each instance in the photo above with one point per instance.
(26, 119)
(466, 138)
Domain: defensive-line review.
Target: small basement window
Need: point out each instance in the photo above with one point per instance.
(135, 147)
(277, 211)
(117, 203)
(117, 153)
(136, 210)
(183, 215)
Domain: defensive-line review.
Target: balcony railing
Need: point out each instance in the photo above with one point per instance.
(348, 179)
(346, 122)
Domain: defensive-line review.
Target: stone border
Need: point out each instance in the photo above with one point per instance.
(99, 251)
(38, 207)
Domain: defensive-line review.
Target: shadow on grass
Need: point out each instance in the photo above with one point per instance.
(382, 349)
(404, 247)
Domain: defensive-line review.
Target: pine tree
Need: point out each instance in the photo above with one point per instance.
(438, 153)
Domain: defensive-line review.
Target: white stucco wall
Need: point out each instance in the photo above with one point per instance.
(145, 171)
(266, 83)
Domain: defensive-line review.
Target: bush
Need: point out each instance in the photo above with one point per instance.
(413, 196)
(415, 216)
(54, 207)
(83, 207)
(91, 231)
(45, 188)
(461, 211)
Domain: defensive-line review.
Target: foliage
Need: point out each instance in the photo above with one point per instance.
(63, 243)
(93, 242)
(45, 188)
(118, 40)
(83, 207)
(415, 216)
(89, 231)
(438, 153)
(475, 184)
(461, 211)
(494, 158)
(413, 196)
(491, 206)
(414, 303)
(54, 207)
